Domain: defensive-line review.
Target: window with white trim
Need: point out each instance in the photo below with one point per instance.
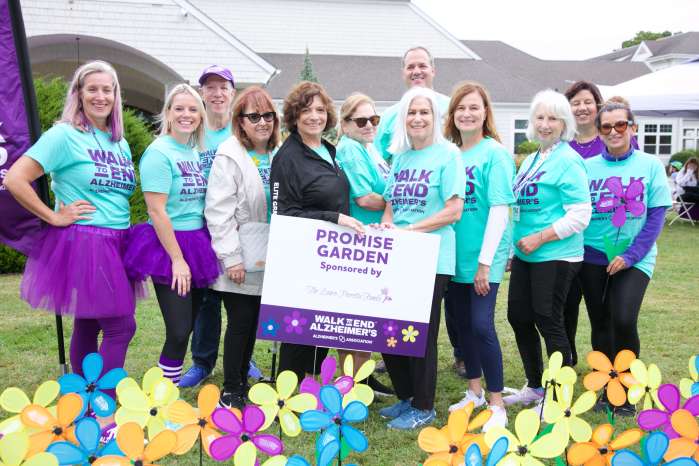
(657, 138)
(690, 138)
(520, 132)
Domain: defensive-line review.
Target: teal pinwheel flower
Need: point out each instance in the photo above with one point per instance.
(91, 385)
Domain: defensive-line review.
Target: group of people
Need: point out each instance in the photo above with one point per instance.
(579, 218)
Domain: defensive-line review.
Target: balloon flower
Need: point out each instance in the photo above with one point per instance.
(688, 387)
(279, 403)
(87, 433)
(600, 449)
(557, 375)
(448, 445)
(91, 386)
(146, 406)
(51, 428)
(687, 444)
(669, 397)
(196, 422)
(359, 391)
(613, 378)
(564, 414)
(525, 448)
(327, 371)
(474, 457)
(14, 451)
(14, 400)
(131, 441)
(647, 382)
(241, 439)
(653, 451)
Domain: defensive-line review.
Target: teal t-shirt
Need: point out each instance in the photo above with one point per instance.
(490, 171)
(263, 162)
(384, 133)
(212, 139)
(324, 153)
(174, 169)
(87, 165)
(560, 180)
(367, 173)
(420, 183)
(656, 193)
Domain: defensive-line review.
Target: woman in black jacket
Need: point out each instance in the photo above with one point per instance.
(306, 182)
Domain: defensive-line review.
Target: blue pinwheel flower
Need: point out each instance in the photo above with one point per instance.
(653, 449)
(333, 423)
(297, 460)
(474, 457)
(90, 387)
(87, 431)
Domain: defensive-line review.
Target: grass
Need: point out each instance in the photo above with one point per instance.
(667, 326)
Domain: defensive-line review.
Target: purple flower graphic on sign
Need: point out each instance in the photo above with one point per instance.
(294, 322)
(622, 200)
(390, 328)
(391, 342)
(270, 327)
(386, 297)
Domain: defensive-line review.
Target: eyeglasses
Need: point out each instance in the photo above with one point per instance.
(362, 121)
(619, 126)
(255, 117)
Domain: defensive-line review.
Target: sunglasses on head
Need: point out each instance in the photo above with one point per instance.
(361, 121)
(255, 117)
(619, 126)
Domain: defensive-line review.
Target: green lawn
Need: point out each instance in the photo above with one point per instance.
(667, 324)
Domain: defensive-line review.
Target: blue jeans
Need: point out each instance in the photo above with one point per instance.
(207, 331)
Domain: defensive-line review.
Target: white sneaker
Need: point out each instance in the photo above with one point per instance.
(525, 396)
(478, 400)
(497, 419)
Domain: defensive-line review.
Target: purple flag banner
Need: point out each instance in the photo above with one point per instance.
(19, 125)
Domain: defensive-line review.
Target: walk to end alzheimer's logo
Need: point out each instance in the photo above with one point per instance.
(193, 181)
(528, 199)
(111, 172)
(410, 190)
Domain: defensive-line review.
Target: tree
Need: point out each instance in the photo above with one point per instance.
(307, 73)
(644, 35)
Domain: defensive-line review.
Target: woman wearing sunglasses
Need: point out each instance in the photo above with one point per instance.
(237, 204)
(630, 195)
(307, 182)
(424, 193)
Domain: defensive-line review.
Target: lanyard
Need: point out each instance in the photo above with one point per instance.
(532, 171)
(118, 144)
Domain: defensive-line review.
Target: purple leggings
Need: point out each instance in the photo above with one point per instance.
(116, 335)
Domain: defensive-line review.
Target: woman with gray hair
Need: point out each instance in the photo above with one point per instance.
(552, 209)
(425, 193)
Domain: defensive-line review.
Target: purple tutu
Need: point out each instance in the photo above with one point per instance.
(145, 256)
(79, 270)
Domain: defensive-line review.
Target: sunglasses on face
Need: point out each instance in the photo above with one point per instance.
(362, 121)
(255, 117)
(619, 126)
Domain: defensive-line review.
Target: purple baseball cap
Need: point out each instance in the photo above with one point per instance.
(217, 70)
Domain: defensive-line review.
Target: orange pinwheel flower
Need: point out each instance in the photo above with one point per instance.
(601, 448)
(51, 428)
(448, 445)
(611, 377)
(131, 442)
(685, 424)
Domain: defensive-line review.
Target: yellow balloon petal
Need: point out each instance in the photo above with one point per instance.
(685, 388)
(526, 426)
(13, 448)
(208, 399)
(365, 371)
(37, 417)
(478, 421)
(639, 372)
(162, 444)
(10, 425)
(186, 437)
(69, 407)
(626, 439)
(270, 415)
(286, 384)
(155, 425)
(301, 402)
(348, 366)
(125, 384)
(549, 445)
(181, 412)
(552, 411)
(494, 434)
(42, 459)
(693, 367)
(262, 394)
(531, 461)
(47, 393)
(289, 422)
(164, 392)
(130, 440)
(654, 376)
(245, 455)
(153, 375)
(562, 427)
(456, 426)
(14, 400)
(432, 440)
(555, 363)
(363, 393)
(279, 460)
(125, 415)
(567, 376)
(134, 399)
(636, 393)
(511, 459)
(580, 430)
(584, 403)
(545, 378)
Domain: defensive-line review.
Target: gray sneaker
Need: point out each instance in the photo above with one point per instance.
(395, 410)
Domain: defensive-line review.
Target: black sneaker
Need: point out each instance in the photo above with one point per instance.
(232, 400)
(602, 404)
(625, 410)
(379, 388)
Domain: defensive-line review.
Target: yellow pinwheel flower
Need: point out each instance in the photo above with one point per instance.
(523, 449)
(690, 387)
(13, 400)
(279, 403)
(14, 449)
(359, 391)
(646, 387)
(557, 375)
(146, 405)
(563, 414)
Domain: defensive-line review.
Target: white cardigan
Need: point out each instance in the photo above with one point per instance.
(235, 196)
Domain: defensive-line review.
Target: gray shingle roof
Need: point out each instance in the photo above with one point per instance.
(685, 43)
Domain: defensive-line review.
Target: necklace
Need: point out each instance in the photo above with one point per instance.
(118, 143)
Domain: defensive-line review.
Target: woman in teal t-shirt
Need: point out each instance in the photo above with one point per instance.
(551, 211)
(483, 240)
(77, 267)
(424, 193)
(174, 247)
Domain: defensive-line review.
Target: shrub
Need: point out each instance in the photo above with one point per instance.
(526, 147)
(11, 261)
(683, 155)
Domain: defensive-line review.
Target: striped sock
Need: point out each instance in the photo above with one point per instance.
(172, 368)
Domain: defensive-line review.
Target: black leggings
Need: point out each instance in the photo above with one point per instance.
(614, 321)
(570, 315)
(243, 312)
(179, 313)
(536, 299)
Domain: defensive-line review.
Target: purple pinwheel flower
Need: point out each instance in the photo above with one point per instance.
(294, 322)
(669, 396)
(241, 438)
(327, 371)
(390, 328)
(622, 200)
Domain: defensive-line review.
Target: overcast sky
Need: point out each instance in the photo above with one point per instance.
(563, 29)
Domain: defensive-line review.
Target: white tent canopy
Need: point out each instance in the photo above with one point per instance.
(674, 89)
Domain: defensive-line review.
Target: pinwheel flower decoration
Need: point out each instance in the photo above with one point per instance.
(91, 386)
(600, 449)
(14, 400)
(195, 422)
(241, 439)
(687, 444)
(474, 457)
(131, 442)
(654, 449)
(563, 414)
(622, 200)
(611, 377)
(327, 371)
(557, 375)
(688, 387)
(87, 450)
(51, 428)
(647, 382)
(669, 397)
(14, 451)
(359, 391)
(447, 445)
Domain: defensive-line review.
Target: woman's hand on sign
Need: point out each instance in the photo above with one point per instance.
(71, 213)
(351, 222)
(236, 273)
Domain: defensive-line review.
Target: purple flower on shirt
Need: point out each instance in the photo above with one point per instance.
(622, 200)
(294, 322)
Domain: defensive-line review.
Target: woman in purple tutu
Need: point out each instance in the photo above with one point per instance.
(77, 268)
(174, 247)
